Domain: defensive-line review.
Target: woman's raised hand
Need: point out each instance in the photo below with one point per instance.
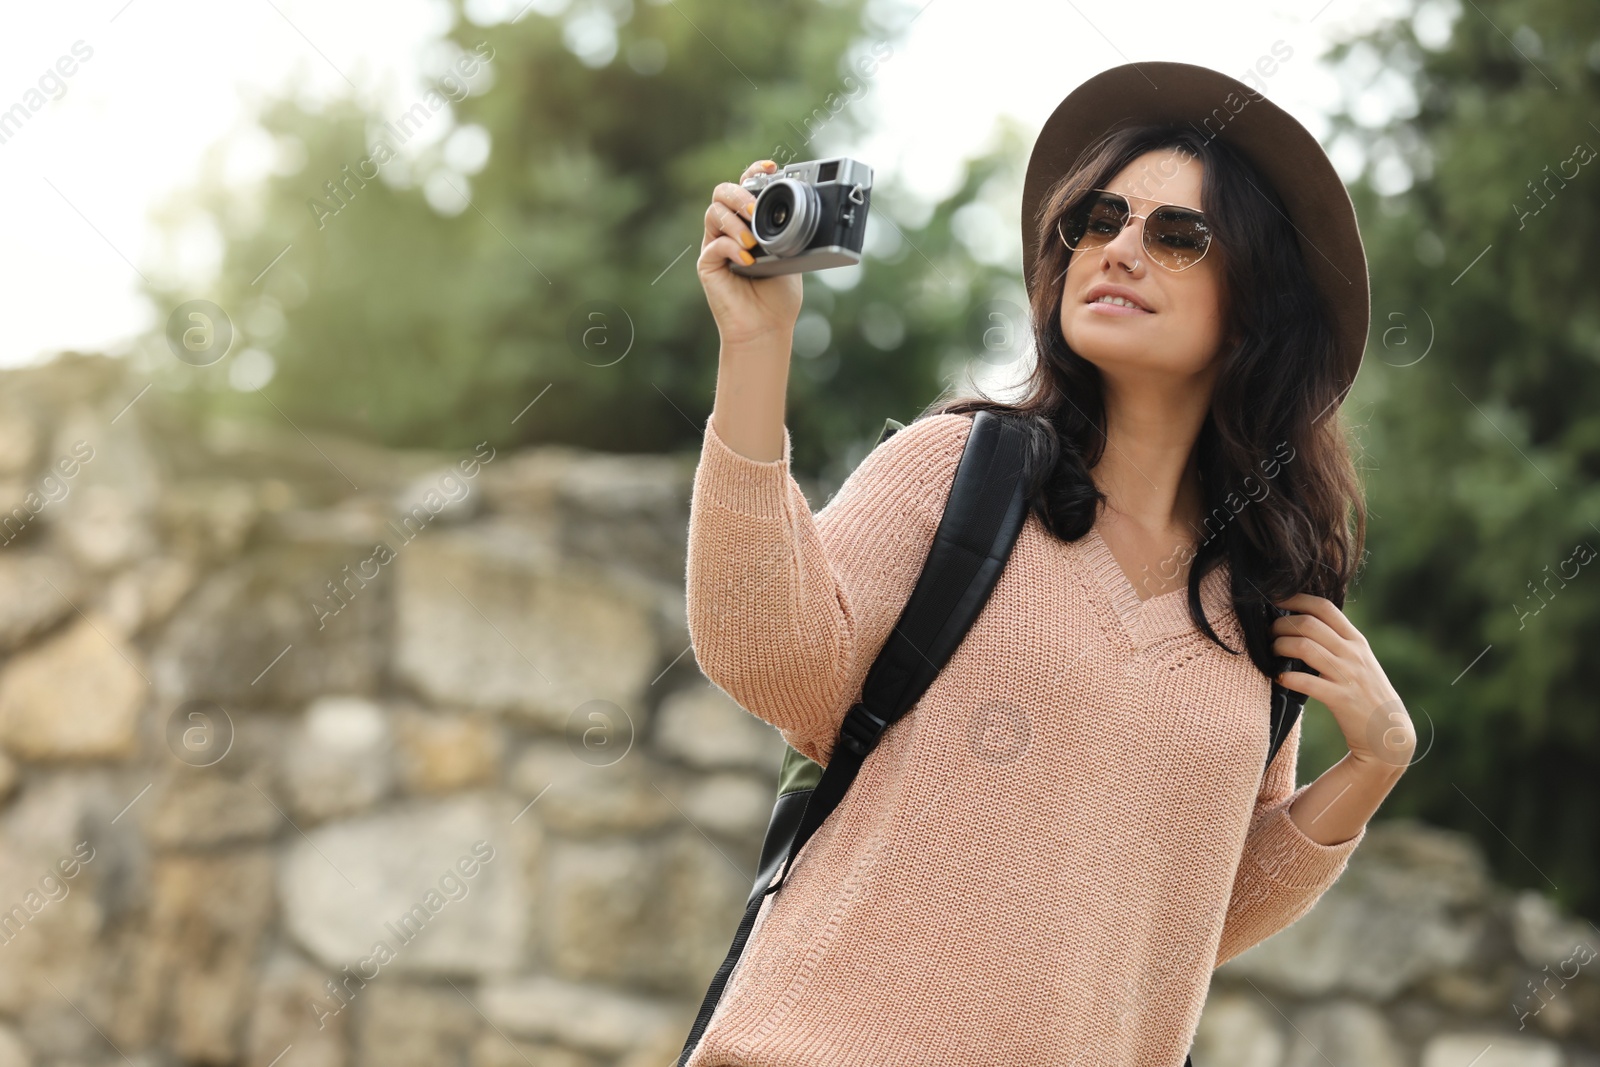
(748, 311)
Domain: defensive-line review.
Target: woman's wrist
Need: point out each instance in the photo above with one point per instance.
(752, 390)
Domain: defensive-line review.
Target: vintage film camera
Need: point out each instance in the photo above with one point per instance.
(809, 216)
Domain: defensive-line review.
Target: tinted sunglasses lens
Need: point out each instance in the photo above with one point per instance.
(1176, 239)
(1094, 221)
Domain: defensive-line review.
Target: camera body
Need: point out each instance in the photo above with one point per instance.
(808, 216)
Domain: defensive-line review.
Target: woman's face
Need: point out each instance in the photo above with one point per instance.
(1182, 331)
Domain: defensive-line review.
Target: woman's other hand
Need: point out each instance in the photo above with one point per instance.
(1349, 681)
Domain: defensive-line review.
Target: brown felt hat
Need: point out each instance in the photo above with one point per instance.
(1279, 147)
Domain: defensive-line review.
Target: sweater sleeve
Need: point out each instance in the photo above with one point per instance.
(787, 610)
(1282, 872)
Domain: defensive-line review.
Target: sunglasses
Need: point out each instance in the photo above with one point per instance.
(1175, 237)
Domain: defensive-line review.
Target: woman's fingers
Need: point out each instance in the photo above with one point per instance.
(724, 218)
(1307, 625)
(757, 166)
(1312, 654)
(1325, 610)
(1309, 639)
(723, 248)
(728, 217)
(1312, 686)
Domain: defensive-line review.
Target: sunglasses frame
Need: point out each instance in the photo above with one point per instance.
(1144, 231)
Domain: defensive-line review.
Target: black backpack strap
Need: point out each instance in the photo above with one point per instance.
(982, 518)
(1286, 702)
(983, 515)
(1286, 705)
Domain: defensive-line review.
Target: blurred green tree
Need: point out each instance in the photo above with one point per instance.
(1481, 212)
(426, 302)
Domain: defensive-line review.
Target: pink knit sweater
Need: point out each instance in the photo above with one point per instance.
(1041, 864)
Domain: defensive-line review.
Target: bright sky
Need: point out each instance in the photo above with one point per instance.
(156, 84)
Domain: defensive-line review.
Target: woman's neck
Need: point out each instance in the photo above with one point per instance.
(1149, 470)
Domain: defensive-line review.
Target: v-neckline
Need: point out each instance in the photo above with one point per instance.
(1121, 575)
(1151, 617)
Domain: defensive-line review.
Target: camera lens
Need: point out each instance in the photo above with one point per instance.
(786, 216)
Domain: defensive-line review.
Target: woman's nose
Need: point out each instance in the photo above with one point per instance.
(1127, 246)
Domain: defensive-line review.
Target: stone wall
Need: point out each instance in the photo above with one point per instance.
(318, 755)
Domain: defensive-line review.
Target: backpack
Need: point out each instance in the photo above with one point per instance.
(983, 515)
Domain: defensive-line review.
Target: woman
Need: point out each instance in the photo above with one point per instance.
(1045, 860)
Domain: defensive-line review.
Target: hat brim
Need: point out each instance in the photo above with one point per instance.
(1216, 105)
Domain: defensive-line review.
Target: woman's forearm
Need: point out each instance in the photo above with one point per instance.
(1335, 807)
(752, 387)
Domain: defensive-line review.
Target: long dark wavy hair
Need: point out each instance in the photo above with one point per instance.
(1273, 423)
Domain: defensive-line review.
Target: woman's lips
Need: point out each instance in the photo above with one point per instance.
(1103, 308)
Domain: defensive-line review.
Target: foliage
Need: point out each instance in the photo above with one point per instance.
(392, 320)
(1482, 383)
